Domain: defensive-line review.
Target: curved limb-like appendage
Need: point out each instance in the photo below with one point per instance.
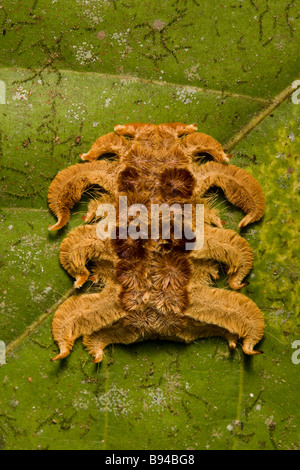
(179, 128)
(226, 246)
(93, 205)
(201, 143)
(81, 246)
(115, 334)
(204, 272)
(240, 188)
(109, 143)
(83, 315)
(231, 312)
(68, 186)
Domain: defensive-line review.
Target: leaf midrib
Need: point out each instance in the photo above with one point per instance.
(147, 81)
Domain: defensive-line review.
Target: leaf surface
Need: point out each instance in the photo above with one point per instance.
(72, 70)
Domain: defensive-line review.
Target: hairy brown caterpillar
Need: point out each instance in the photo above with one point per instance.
(154, 287)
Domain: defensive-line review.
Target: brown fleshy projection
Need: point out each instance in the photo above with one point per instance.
(154, 288)
(176, 183)
(128, 179)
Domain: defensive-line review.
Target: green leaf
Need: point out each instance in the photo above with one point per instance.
(72, 70)
(246, 47)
